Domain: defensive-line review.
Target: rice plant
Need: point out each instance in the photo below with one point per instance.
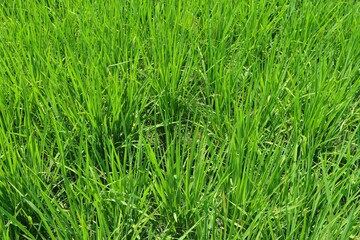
(179, 119)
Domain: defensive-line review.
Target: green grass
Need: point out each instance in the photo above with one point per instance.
(179, 119)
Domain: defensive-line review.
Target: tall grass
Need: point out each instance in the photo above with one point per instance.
(179, 119)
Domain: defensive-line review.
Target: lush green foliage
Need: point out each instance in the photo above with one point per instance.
(180, 119)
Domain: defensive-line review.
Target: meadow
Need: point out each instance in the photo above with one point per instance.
(179, 119)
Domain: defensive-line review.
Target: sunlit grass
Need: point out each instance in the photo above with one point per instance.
(179, 119)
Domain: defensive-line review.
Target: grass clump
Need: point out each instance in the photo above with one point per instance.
(179, 119)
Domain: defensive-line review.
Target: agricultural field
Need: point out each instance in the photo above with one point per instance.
(179, 119)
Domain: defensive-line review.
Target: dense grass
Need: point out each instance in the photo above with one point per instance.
(179, 119)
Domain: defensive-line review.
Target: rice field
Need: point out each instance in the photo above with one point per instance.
(179, 119)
